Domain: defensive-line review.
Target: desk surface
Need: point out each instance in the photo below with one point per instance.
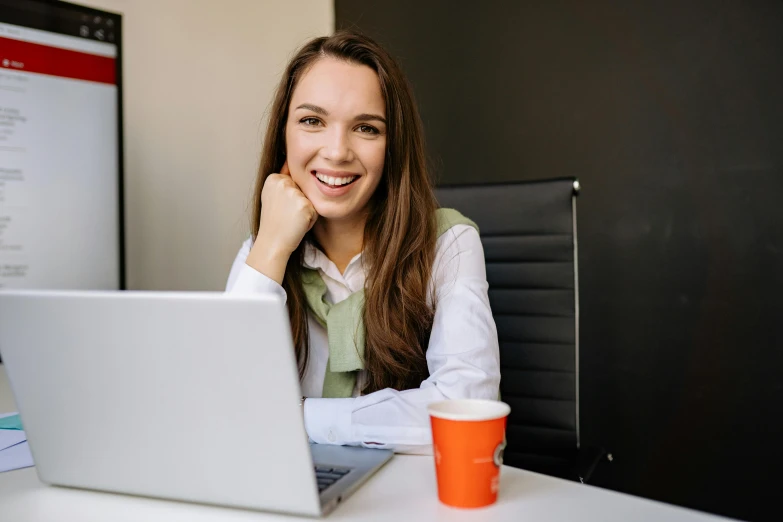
(404, 489)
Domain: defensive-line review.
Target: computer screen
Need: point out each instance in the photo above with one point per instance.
(60, 147)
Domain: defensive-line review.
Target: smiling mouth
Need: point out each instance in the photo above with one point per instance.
(335, 182)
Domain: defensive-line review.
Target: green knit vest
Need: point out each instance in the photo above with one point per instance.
(344, 321)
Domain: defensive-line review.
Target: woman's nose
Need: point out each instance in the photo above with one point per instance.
(337, 146)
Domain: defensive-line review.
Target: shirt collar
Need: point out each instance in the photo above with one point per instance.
(315, 259)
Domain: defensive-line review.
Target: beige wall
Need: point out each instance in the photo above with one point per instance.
(198, 75)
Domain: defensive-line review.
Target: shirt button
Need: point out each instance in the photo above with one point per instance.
(331, 436)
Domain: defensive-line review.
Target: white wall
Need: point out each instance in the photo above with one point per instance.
(198, 76)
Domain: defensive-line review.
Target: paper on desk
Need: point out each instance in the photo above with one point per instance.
(16, 457)
(10, 435)
(14, 450)
(10, 438)
(10, 421)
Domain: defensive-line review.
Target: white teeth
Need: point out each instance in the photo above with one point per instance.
(334, 181)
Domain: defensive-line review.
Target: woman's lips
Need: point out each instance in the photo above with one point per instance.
(334, 190)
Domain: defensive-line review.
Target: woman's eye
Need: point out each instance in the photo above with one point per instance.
(312, 122)
(367, 129)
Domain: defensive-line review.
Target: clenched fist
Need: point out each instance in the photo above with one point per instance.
(286, 216)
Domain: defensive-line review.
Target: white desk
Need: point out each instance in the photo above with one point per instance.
(404, 490)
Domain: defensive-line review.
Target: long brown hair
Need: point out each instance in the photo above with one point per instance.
(399, 236)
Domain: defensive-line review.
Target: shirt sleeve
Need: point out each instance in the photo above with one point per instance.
(245, 280)
(462, 357)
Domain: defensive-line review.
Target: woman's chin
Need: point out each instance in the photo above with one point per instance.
(333, 212)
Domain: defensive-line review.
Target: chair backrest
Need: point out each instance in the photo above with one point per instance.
(528, 231)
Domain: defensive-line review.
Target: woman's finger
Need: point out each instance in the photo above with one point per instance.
(284, 170)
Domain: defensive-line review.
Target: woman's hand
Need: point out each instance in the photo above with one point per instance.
(286, 213)
(286, 216)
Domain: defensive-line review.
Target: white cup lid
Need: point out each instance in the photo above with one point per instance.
(469, 409)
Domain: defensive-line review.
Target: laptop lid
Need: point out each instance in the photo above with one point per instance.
(188, 396)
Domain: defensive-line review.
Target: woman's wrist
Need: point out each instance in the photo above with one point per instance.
(268, 259)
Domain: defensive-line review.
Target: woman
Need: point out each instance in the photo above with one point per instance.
(387, 294)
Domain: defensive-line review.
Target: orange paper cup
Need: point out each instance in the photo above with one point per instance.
(468, 438)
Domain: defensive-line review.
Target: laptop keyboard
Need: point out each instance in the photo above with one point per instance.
(327, 476)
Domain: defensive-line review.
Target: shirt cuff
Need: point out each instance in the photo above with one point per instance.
(252, 282)
(328, 421)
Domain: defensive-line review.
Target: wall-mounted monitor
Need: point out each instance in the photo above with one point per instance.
(61, 206)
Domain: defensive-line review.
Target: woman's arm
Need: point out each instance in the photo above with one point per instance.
(462, 357)
(246, 280)
(286, 216)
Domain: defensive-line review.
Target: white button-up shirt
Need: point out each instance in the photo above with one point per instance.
(462, 355)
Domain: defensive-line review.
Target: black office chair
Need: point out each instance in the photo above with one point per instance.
(528, 230)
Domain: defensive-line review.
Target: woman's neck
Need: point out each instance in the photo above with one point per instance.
(340, 240)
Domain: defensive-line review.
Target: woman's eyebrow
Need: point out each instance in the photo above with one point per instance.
(323, 112)
(315, 108)
(366, 117)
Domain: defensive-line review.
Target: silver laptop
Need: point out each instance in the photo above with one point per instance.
(187, 396)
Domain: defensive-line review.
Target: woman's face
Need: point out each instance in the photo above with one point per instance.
(336, 137)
